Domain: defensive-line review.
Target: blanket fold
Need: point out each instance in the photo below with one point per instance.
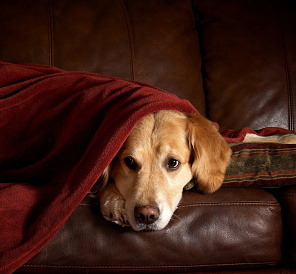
(58, 131)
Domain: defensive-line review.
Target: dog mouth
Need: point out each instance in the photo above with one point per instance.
(144, 227)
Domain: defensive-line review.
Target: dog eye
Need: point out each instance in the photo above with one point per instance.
(173, 164)
(130, 162)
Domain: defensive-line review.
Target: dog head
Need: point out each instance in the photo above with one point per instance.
(163, 152)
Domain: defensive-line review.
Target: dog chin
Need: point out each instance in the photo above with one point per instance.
(145, 227)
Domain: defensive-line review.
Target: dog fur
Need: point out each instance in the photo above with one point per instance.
(144, 183)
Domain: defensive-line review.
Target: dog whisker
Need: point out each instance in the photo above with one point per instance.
(175, 216)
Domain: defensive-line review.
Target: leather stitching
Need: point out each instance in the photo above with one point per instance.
(145, 266)
(231, 204)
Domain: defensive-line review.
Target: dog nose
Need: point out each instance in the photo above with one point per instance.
(147, 214)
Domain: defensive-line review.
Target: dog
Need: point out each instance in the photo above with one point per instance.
(165, 151)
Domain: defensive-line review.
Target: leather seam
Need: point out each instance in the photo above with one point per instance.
(129, 38)
(287, 70)
(144, 266)
(230, 204)
(50, 33)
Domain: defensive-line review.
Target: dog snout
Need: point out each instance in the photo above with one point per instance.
(146, 214)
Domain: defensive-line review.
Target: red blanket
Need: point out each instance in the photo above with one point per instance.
(58, 132)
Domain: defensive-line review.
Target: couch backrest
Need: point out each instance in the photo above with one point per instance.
(238, 68)
(149, 41)
(249, 61)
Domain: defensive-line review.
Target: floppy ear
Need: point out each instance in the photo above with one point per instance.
(103, 180)
(106, 174)
(210, 153)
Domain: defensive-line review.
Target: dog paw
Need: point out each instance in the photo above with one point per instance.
(112, 205)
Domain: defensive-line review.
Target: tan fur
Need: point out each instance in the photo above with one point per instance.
(211, 153)
(155, 139)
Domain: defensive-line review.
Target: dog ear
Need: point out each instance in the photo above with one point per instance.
(106, 175)
(210, 153)
(103, 180)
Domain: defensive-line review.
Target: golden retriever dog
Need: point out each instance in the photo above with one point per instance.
(163, 153)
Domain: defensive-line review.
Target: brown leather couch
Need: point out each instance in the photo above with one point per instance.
(235, 60)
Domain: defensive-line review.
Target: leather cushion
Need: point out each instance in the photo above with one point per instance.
(231, 228)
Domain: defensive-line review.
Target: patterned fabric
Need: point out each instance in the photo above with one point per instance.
(262, 165)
